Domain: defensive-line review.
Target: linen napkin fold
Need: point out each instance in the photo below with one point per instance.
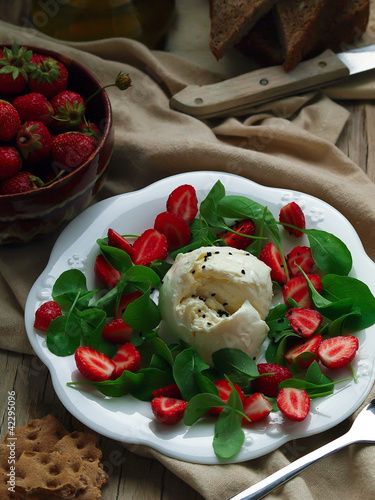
(287, 144)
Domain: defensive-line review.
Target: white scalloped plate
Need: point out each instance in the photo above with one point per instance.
(131, 421)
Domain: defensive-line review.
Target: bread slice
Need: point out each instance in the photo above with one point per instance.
(302, 23)
(262, 44)
(232, 19)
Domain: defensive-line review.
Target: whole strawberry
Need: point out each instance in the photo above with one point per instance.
(19, 183)
(9, 121)
(14, 68)
(33, 107)
(49, 77)
(37, 58)
(34, 141)
(68, 110)
(71, 149)
(10, 162)
(92, 130)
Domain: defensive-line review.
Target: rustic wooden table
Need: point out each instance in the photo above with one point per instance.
(133, 477)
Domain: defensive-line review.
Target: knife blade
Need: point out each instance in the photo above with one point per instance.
(232, 97)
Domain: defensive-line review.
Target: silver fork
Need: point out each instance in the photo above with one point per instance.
(362, 431)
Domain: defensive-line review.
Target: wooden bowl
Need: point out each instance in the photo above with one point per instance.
(26, 215)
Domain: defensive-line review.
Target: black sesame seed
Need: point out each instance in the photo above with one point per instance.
(243, 271)
(280, 320)
(213, 294)
(199, 310)
(300, 330)
(209, 324)
(209, 254)
(217, 253)
(247, 254)
(254, 358)
(298, 254)
(203, 316)
(225, 304)
(230, 253)
(203, 267)
(193, 271)
(233, 239)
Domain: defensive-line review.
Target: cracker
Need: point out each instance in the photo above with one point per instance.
(80, 443)
(52, 463)
(38, 435)
(93, 475)
(49, 473)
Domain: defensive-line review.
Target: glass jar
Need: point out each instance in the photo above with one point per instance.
(82, 20)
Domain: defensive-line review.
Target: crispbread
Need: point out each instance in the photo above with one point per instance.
(38, 435)
(55, 473)
(51, 463)
(81, 444)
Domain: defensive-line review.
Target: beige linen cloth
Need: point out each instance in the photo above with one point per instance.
(287, 144)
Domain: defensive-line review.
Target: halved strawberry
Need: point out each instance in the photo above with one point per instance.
(269, 384)
(149, 246)
(256, 407)
(175, 229)
(301, 256)
(224, 393)
(127, 358)
(310, 346)
(271, 256)
(117, 331)
(105, 273)
(170, 391)
(337, 352)
(234, 240)
(292, 214)
(116, 240)
(45, 314)
(93, 364)
(296, 289)
(183, 202)
(293, 403)
(125, 300)
(303, 321)
(168, 410)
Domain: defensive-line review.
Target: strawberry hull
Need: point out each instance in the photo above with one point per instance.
(24, 216)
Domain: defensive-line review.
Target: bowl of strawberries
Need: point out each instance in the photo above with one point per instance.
(56, 140)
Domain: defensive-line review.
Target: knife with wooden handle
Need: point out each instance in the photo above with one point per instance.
(234, 96)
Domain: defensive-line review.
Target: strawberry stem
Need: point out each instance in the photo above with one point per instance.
(122, 82)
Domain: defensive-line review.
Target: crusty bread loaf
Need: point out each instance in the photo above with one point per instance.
(232, 19)
(262, 44)
(302, 23)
